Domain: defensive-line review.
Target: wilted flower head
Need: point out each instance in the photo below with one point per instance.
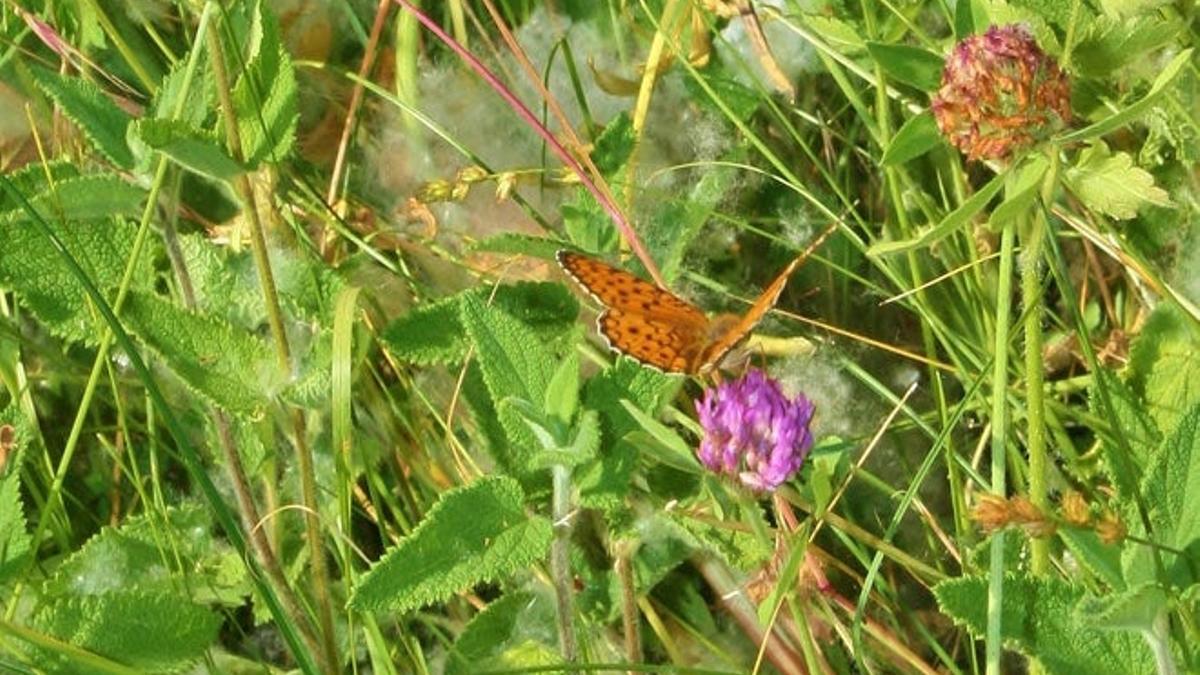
(753, 432)
(1000, 93)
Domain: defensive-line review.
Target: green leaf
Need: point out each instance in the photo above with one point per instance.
(189, 147)
(1021, 191)
(473, 534)
(505, 634)
(562, 394)
(911, 65)
(513, 360)
(1111, 184)
(1103, 560)
(1125, 8)
(842, 36)
(1133, 111)
(225, 365)
(150, 632)
(96, 115)
(660, 441)
(434, 333)
(587, 225)
(1109, 44)
(1135, 609)
(615, 145)
(519, 244)
(918, 136)
(265, 96)
(1171, 485)
(1130, 417)
(949, 225)
(1039, 620)
(14, 538)
(1164, 364)
(674, 226)
(36, 272)
(92, 197)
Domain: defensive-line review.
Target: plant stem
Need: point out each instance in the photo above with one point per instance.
(999, 422)
(629, 609)
(560, 563)
(304, 458)
(1032, 238)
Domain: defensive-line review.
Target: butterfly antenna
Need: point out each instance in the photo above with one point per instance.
(813, 246)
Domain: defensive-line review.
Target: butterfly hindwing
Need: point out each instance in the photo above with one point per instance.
(670, 347)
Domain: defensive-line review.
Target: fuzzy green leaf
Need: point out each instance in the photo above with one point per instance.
(1103, 560)
(36, 271)
(1109, 44)
(1126, 8)
(1135, 609)
(519, 244)
(265, 96)
(911, 65)
(1172, 484)
(614, 146)
(500, 637)
(189, 147)
(1164, 364)
(96, 115)
(87, 198)
(1130, 418)
(587, 225)
(1039, 620)
(227, 366)
(1111, 184)
(562, 394)
(434, 333)
(476, 533)
(837, 33)
(14, 538)
(150, 632)
(513, 360)
(918, 136)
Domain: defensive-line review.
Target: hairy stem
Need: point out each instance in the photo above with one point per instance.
(560, 563)
(999, 423)
(629, 609)
(304, 459)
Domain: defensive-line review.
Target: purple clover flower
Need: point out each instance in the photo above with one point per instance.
(1000, 94)
(753, 432)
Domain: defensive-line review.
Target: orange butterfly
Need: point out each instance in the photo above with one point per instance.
(660, 329)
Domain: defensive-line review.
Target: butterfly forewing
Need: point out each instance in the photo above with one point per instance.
(618, 289)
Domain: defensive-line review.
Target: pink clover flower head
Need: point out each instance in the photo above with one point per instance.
(753, 432)
(1001, 93)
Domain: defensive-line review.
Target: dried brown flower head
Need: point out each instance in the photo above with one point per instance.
(1000, 93)
(1110, 529)
(1075, 509)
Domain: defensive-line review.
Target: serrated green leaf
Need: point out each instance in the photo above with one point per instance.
(1038, 619)
(1164, 365)
(1171, 485)
(1135, 609)
(950, 224)
(1134, 110)
(310, 388)
(505, 624)
(1109, 44)
(151, 632)
(197, 100)
(513, 360)
(1052, 11)
(189, 147)
(918, 136)
(587, 225)
(434, 333)
(911, 65)
(35, 271)
(96, 115)
(1129, 416)
(1111, 184)
(14, 538)
(1103, 560)
(91, 197)
(1126, 8)
(473, 534)
(265, 96)
(614, 146)
(228, 367)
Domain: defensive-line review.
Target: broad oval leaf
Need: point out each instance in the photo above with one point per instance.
(911, 65)
(918, 136)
